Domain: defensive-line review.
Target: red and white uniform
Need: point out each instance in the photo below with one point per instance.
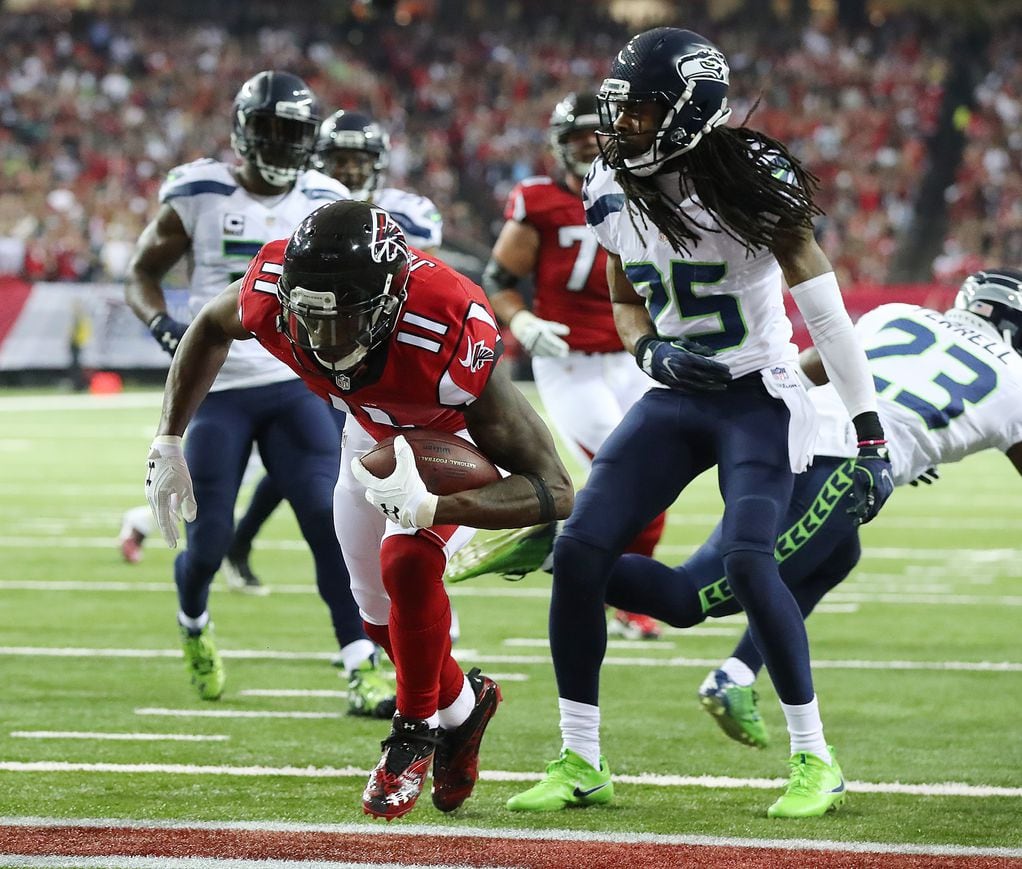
(438, 361)
(587, 393)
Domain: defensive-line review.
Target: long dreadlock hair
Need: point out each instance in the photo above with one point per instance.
(740, 177)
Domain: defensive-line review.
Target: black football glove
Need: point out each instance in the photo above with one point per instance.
(929, 476)
(167, 331)
(682, 365)
(872, 483)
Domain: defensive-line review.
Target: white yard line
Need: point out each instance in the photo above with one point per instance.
(231, 713)
(540, 660)
(118, 737)
(712, 782)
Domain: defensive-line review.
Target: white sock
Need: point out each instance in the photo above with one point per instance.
(434, 720)
(138, 519)
(738, 672)
(196, 624)
(455, 714)
(806, 729)
(355, 653)
(580, 730)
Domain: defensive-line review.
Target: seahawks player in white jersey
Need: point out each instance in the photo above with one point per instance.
(220, 216)
(355, 149)
(950, 385)
(701, 222)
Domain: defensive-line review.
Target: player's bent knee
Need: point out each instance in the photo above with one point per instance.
(751, 523)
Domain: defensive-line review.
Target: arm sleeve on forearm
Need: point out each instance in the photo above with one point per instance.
(830, 327)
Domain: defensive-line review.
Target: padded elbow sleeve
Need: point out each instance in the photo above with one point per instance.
(497, 278)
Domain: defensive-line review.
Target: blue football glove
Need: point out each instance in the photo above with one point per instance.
(167, 331)
(872, 483)
(682, 365)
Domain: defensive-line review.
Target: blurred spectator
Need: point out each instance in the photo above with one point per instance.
(93, 113)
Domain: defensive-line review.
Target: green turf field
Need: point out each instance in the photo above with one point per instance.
(919, 669)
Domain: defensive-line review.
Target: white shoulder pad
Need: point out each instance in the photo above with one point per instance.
(197, 177)
(316, 185)
(418, 216)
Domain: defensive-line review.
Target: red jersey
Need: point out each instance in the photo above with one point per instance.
(437, 361)
(571, 268)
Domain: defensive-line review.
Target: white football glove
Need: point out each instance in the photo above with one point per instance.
(402, 497)
(168, 487)
(539, 337)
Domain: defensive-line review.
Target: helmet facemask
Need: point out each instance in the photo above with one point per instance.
(676, 70)
(995, 295)
(339, 327)
(355, 157)
(279, 147)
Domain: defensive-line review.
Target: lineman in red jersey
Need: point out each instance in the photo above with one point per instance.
(585, 378)
(397, 340)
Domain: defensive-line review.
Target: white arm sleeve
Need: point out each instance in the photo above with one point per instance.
(819, 300)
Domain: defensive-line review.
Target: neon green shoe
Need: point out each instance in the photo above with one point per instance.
(735, 709)
(512, 554)
(814, 788)
(370, 692)
(569, 781)
(202, 661)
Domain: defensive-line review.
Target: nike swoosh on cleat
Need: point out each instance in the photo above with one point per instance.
(581, 794)
(839, 788)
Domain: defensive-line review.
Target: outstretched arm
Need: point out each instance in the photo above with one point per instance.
(199, 358)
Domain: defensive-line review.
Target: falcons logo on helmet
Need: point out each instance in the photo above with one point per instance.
(388, 241)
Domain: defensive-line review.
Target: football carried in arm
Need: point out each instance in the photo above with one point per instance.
(447, 463)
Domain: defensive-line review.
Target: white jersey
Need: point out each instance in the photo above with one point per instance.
(948, 387)
(227, 226)
(717, 293)
(417, 216)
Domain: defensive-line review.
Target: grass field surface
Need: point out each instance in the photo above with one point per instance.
(918, 669)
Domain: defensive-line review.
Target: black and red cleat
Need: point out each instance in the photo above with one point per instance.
(456, 765)
(396, 782)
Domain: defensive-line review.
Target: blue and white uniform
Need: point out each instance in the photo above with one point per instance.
(255, 399)
(417, 216)
(949, 387)
(757, 432)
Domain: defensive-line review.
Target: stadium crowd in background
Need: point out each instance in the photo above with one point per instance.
(94, 111)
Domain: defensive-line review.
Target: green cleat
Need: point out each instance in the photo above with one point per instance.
(734, 708)
(569, 781)
(202, 661)
(370, 692)
(814, 788)
(512, 554)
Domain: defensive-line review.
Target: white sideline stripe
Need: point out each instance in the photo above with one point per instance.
(837, 601)
(475, 656)
(231, 713)
(125, 737)
(80, 402)
(456, 830)
(714, 782)
(289, 692)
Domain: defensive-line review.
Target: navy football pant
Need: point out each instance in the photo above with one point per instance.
(818, 548)
(666, 440)
(265, 499)
(299, 446)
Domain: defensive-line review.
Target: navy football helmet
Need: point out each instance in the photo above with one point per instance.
(274, 126)
(996, 296)
(576, 112)
(680, 71)
(354, 149)
(344, 280)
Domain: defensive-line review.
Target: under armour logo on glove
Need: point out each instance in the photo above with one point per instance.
(872, 483)
(167, 331)
(402, 497)
(168, 487)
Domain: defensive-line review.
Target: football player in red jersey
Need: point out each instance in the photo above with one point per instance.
(397, 340)
(585, 378)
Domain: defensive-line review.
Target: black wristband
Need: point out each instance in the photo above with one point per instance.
(547, 509)
(641, 345)
(868, 427)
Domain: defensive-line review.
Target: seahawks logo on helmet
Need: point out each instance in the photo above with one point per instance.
(388, 241)
(707, 63)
